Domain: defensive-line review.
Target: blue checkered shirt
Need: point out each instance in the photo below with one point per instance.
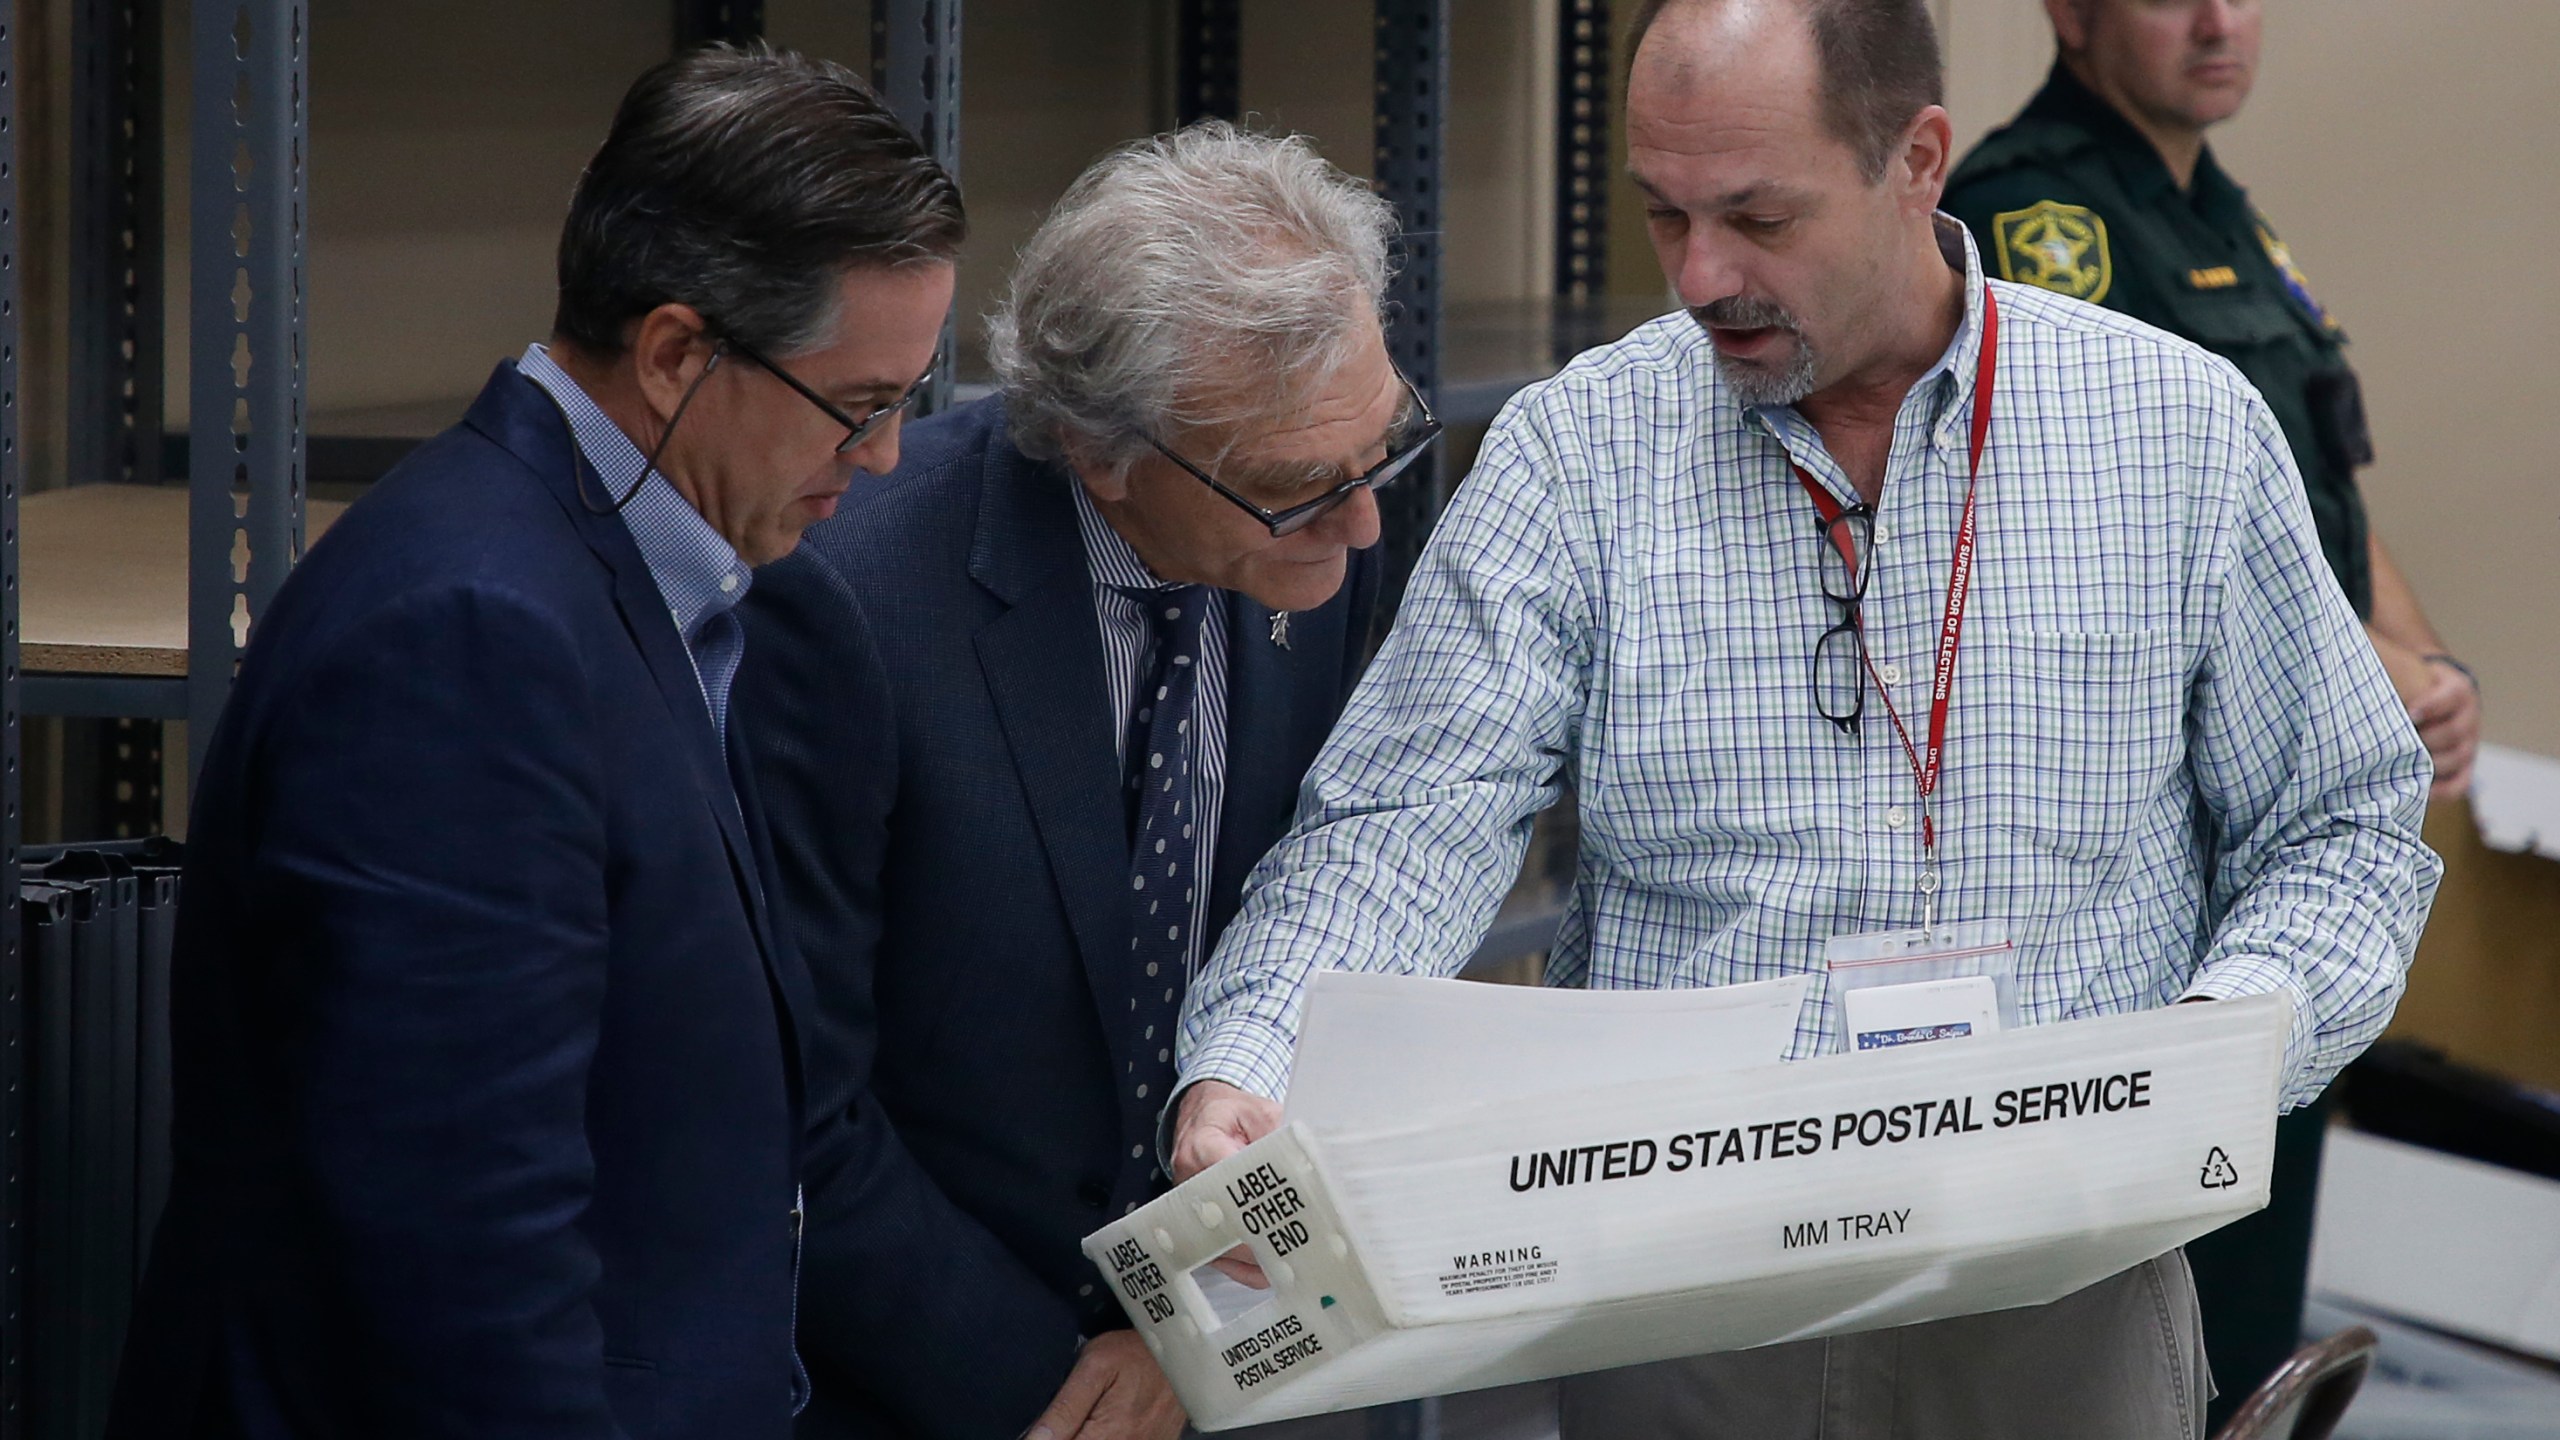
(698, 573)
(2174, 766)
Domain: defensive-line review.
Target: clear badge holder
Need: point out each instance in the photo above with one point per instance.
(1939, 982)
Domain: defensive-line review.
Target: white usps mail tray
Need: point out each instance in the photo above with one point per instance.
(1458, 1246)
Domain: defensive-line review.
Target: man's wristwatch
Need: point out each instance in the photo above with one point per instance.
(2441, 658)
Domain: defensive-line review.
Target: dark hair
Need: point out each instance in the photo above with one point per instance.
(1879, 62)
(744, 182)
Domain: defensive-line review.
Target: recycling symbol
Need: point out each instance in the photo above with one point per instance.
(2219, 1173)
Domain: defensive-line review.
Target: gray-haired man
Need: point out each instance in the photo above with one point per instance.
(1026, 713)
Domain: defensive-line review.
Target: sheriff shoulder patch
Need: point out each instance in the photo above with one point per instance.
(2295, 282)
(2057, 247)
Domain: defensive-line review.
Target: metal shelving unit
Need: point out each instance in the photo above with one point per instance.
(1412, 60)
(243, 521)
(116, 301)
(116, 340)
(251, 131)
(13, 1048)
(146, 597)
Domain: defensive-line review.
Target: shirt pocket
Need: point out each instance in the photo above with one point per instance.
(2083, 732)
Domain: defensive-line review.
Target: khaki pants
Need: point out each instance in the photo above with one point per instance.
(2121, 1360)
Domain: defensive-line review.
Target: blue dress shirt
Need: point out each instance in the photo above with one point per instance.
(698, 573)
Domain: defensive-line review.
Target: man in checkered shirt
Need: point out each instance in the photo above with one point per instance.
(2173, 769)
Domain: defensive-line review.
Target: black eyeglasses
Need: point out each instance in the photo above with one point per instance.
(1840, 656)
(1298, 517)
(855, 431)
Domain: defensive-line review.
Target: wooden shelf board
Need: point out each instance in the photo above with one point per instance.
(103, 578)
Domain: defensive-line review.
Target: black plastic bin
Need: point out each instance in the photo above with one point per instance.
(98, 924)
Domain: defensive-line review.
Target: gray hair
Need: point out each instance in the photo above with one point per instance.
(1201, 278)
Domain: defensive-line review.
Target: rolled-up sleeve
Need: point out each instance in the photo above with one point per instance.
(1413, 820)
(2313, 784)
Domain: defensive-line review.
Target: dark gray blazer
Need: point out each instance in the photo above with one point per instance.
(924, 700)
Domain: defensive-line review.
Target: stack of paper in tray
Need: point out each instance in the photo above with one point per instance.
(1482, 1184)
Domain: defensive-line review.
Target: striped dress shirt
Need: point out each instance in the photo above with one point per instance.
(2174, 766)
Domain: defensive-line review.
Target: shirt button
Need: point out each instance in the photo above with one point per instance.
(1084, 1290)
(729, 583)
(1890, 674)
(1893, 818)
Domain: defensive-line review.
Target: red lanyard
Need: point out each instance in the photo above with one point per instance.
(1925, 765)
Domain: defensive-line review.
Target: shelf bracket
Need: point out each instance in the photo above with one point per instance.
(1582, 154)
(1413, 87)
(13, 989)
(249, 206)
(117, 307)
(1208, 60)
(915, 65)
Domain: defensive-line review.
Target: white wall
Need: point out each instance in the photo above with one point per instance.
(2404, 151)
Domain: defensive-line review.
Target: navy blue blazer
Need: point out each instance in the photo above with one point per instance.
(925, 699)
(488, 1095)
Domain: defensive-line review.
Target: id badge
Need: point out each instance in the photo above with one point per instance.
(1909, 987)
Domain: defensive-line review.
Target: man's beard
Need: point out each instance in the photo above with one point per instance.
(1755, 384)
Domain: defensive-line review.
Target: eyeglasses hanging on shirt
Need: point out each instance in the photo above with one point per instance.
(1848, 533)
(1840, 656)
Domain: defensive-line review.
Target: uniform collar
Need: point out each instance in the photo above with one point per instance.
(2066, 101)
(2218, 197)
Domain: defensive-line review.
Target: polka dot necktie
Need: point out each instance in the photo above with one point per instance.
(1163, 873)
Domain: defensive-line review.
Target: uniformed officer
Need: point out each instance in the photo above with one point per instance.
(2103, 189)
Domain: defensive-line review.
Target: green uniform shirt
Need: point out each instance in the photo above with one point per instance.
(2070, 197)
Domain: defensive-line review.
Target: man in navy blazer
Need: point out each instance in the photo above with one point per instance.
(489, 1053)
(1117, 608)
